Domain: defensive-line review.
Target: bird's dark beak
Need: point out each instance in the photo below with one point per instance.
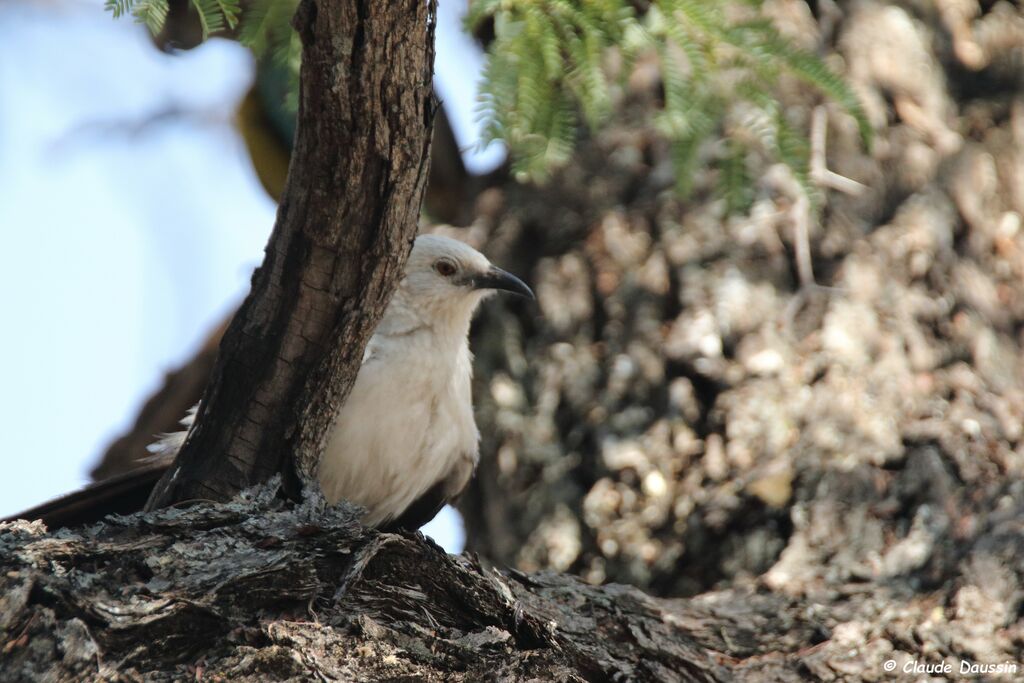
(496, 278)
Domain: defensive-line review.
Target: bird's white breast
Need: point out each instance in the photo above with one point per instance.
(406, 424)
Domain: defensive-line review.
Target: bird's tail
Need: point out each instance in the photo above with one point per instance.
(124, 493)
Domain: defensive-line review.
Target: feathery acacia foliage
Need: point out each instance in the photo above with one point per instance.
(547, 64)
(264, 27)
(547, 76)
(214, 15)
(266, 30)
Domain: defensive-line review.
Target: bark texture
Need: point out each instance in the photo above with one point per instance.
(345, 224)
(262, 590)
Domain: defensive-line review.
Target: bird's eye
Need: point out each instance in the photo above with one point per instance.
(445, 268)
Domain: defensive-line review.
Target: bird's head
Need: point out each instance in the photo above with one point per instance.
(446, 278)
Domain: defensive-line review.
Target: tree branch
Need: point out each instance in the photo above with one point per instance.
(306, 593)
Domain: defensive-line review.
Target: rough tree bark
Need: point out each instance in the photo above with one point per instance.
(346, 221)
(263, 590)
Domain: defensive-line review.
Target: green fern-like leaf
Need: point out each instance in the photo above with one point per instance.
(479, 11)
(207, 20)
(545, 75)
(794, 150)
(118, 8)
(152, 13)
(815, 72)
(216, 15)
(213, 15)
(266, 30)
(230, 10)
(735, 182)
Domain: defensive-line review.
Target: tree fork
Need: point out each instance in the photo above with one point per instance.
(344, 228)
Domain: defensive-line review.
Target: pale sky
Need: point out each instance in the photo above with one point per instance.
(125, 236)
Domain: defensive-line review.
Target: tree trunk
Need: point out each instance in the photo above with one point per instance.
(344, 228)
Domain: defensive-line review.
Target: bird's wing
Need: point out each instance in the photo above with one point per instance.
(168, 444)
(426, 507)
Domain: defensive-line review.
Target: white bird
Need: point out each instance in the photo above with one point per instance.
(405, 442)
